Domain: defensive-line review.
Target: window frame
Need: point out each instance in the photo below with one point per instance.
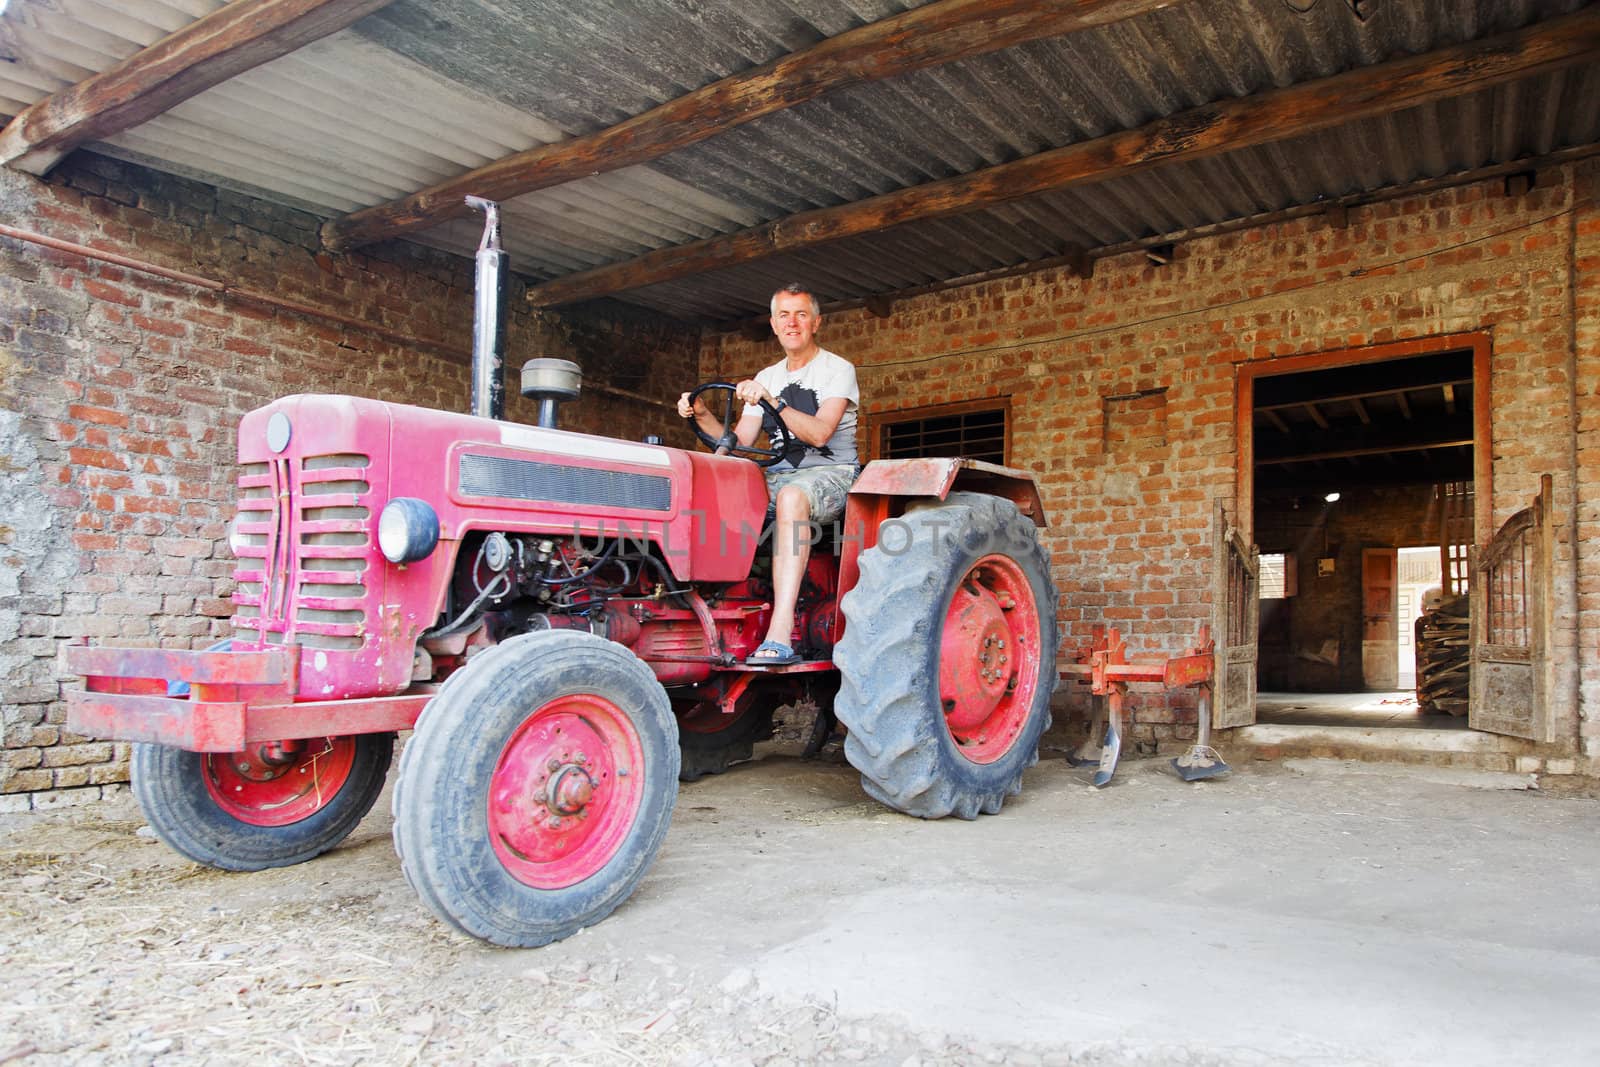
(879, 422)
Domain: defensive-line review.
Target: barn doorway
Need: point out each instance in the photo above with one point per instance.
(1361, 469)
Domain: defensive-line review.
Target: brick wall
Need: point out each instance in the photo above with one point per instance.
(120, 393)
(1129, 488)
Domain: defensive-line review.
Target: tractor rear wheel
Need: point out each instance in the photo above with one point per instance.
(269, 806)
(948, 658)
(537, 788)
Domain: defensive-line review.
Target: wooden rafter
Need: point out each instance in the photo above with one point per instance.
(1369, 394)
(208, 51)
(927, 36)
(1316, 415)
(1202, 132)
(1354, 453)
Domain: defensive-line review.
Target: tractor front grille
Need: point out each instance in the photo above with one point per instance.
(303, 529)
(556, 483)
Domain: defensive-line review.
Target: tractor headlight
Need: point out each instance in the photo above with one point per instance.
(408, 530)
(238, 540)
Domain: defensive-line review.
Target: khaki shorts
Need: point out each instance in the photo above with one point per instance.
(826, 487)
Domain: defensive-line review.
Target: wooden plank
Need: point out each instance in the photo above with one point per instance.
(1196, 134)
(927, 36)
(229, 41)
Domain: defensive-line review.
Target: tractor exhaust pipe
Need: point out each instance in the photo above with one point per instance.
(489, 317)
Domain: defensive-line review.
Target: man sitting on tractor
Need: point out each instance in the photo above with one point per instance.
(814, 393)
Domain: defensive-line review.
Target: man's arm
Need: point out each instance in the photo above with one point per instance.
(814, 430)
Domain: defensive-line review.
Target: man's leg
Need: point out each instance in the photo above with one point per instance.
(791, 549)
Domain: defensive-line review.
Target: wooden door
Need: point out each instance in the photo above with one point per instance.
(1380, 640)
(1511, 603)
(1236, 618)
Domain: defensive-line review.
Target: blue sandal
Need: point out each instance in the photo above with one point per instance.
(772, 654)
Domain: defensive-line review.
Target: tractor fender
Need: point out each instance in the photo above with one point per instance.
(938, 477)
(887, 487)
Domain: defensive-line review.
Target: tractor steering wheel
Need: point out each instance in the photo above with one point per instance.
(728, 444)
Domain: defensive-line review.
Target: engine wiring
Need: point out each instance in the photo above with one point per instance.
(564, 579)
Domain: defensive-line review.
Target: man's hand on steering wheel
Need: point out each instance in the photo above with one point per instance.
(781, 439)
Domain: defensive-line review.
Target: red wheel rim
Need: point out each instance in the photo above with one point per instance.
(279, 783)
(989, 658)
(565, 791)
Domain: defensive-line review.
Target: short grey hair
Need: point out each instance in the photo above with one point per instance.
(796, 289)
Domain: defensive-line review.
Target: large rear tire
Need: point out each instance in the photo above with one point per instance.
(246, 811)
(537, 788)
(948, 658)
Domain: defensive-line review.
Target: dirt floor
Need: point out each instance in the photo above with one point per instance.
(1311, 913)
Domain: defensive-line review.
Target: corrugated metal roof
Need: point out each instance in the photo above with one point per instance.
(422, 91)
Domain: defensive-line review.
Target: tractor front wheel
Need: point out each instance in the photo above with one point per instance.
(273, 805)
(948, 658)
(537, 788)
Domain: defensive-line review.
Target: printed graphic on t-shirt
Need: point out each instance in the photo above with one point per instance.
(804, 401)
(825, 377)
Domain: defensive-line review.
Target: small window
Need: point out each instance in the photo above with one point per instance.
(1279, 575)
(970, 431)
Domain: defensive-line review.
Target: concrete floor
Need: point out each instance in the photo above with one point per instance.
(1313, 913)
(1303, 912)
(1392, 710)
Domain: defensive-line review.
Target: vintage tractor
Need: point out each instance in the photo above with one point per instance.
(563, 619)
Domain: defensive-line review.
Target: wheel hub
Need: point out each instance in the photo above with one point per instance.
(279, 783)
(569, 789)
(989, 658)
(564, 791)
(974, 661)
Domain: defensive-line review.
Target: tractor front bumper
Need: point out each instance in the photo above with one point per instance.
(234, 699)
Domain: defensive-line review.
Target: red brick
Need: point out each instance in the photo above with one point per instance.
(161, 326)
(89, 457)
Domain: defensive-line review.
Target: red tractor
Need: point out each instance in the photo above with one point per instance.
(563, 619)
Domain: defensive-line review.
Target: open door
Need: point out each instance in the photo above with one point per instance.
(1236, 615)
(1380, 637)
(1511, 595)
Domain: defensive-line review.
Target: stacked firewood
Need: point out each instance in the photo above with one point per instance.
(1444, 658)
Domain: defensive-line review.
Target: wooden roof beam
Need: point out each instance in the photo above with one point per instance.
(1196, 134)
(928, 36)
(1368, 394)
(207, 52)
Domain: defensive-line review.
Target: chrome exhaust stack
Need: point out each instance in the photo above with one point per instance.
(489, 316)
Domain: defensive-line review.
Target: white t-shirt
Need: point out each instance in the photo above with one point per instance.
(824, 378)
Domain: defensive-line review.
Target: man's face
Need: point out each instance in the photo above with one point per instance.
(794, 322)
